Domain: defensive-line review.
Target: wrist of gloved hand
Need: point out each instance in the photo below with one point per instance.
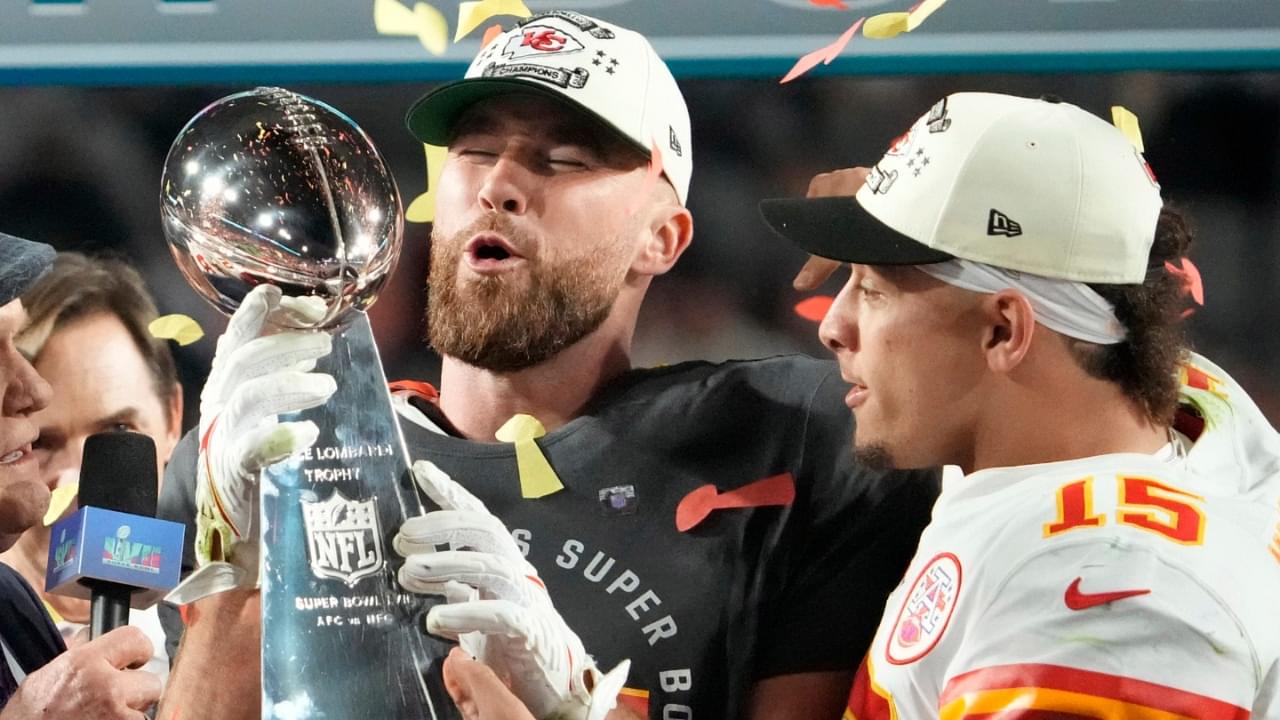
(260, 370)
(496, 606)
(224, 560)
(597, 694)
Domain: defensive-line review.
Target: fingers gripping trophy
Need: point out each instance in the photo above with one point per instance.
(280, 211)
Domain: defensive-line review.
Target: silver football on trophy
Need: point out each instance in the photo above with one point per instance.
(268, 186)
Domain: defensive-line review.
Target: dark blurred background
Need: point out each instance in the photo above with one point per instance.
(80, 168)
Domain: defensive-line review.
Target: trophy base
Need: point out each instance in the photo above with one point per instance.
(340, 638)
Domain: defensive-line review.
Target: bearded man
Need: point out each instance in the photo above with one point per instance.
(710, 526)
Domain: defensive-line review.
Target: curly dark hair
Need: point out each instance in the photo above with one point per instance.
(1145, 364)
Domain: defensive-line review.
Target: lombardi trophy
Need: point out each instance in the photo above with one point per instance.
(269, 186)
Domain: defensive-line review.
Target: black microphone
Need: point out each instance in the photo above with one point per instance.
(118, 472)
(113, 546)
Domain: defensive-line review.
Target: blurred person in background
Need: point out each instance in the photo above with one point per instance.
(39, 676)
(88, 337)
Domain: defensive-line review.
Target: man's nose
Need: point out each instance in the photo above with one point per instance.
(505, 187)
(27, 393)
(839, 328)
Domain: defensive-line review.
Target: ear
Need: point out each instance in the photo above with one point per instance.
(1011, 323)
(666, 236)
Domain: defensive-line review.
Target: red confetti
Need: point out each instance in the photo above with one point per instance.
(492, 32)
(650, 180)
(1189, 274)
(697, 505)
(837, 4)
(822, 55)
(815, 308)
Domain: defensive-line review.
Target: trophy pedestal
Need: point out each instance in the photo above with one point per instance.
(340, 638)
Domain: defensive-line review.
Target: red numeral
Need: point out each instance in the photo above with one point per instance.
(1144, 503)
(1152, 505)
(1075, 508)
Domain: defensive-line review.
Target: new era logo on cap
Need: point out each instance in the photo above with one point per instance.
(1000, 224)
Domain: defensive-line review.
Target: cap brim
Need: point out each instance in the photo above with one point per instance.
(432, 118)
(22, 262)
(840, 229)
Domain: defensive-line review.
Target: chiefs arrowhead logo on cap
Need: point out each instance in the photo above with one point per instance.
(536, 40)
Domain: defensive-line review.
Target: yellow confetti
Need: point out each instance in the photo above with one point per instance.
(921, 12)
(472, 14)
(176, 327)
(423, 207)
(885, 25)
(537, 478)
(53, 614)
(1127, 122)
(424, 21)
(893, 24)
(59, 500)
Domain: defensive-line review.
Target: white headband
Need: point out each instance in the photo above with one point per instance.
(1071, 308)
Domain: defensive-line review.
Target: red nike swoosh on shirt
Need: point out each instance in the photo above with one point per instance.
(1077, 600)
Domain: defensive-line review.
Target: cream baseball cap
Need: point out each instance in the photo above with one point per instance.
(1036, 186)
(607, 71)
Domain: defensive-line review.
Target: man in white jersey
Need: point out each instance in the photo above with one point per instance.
(1112, 549)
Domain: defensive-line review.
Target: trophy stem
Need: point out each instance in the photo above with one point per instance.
(340, 638)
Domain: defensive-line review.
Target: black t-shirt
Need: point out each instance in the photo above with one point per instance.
(25, 626)
(747, 593)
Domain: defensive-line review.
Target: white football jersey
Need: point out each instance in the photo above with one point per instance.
(1118, 586)
(1237, 452)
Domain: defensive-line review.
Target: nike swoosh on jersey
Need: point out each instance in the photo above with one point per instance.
(1077, 600)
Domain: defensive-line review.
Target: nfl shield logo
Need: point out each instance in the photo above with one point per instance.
(343, 538)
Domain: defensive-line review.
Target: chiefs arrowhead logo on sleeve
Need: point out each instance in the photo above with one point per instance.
(926, 611)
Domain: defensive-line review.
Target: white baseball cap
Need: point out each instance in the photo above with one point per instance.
(1035, 186)
(607, 71)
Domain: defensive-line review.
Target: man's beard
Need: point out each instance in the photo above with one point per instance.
(873, 457)
(502, 325)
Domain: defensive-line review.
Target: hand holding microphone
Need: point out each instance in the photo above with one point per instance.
(114, 550)
(91, 681)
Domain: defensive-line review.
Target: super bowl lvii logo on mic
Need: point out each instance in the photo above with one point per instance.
(65, 552)
(121, 552)
(343, 539)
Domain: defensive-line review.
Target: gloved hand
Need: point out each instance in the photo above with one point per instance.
(259, 371)
(497, 607)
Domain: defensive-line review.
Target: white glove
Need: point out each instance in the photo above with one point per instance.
(254, 378)
(497, 607)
